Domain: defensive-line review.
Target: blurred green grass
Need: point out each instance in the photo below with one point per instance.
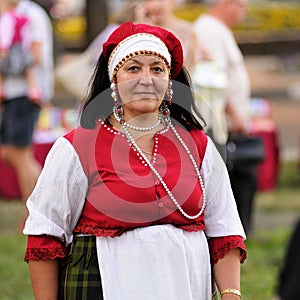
(275, 212)
(14, 276)
(265, 255)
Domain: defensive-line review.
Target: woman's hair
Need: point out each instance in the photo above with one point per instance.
(99, 102)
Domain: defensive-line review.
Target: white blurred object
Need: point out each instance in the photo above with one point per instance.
(260, 108)
(83, 66)
(67, 8)
(293, 91)
(74, 75)
(210, 75)
(210, 84)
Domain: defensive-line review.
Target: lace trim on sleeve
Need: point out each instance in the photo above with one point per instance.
(44, 253)
(220, 246)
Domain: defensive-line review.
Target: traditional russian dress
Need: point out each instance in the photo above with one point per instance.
(94, 183)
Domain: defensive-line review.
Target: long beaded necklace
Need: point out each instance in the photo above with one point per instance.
(168, 122)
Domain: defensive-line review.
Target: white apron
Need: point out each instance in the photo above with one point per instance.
(157, 262)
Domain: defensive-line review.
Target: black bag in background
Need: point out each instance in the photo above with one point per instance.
(243, 150)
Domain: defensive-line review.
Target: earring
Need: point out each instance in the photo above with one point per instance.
(164, 109)
(117, 109)
(114, 93)
(118, 114)
(165, 112)
(169, 93)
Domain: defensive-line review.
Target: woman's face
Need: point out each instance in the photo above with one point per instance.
(142, 84)
(158, 10)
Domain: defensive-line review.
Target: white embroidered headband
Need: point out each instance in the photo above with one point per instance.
(137, 44)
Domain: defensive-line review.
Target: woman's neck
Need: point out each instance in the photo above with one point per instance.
(144, 120)
(140, 126)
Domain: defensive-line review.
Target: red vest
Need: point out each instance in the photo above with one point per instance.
(124, 193)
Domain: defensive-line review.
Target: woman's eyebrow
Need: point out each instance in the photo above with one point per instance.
(158, 61)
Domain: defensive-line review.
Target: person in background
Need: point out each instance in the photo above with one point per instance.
(289, 275)
(15, 47)
(19, 114)
(136, 202)
(161, 13)
(42, 45)
(216, 38)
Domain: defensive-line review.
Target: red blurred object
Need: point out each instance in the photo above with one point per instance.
(268, 171)
(262, 125)
(9, 186)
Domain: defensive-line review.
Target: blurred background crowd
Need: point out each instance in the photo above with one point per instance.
(269, 40)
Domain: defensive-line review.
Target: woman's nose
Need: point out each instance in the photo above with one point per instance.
(146, 78)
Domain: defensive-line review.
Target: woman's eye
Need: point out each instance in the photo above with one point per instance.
(132, 68)
(158, 69)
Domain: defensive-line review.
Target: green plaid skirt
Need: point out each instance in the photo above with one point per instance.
(80, 277)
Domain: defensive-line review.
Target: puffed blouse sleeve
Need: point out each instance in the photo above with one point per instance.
(223, 225)
(55, 204)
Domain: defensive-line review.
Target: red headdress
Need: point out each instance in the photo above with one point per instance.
(172, 53)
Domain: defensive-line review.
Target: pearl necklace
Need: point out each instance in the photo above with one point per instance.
(137, 128)
(159, 177)
(149, 128)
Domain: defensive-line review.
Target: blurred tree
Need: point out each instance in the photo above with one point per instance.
(96, 18)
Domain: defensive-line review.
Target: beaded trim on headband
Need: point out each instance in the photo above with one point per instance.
(136, 53)
(133, 46)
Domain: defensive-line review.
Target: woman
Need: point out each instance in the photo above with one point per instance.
(135, 192)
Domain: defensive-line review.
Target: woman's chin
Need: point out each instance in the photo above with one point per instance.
(145, 105)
